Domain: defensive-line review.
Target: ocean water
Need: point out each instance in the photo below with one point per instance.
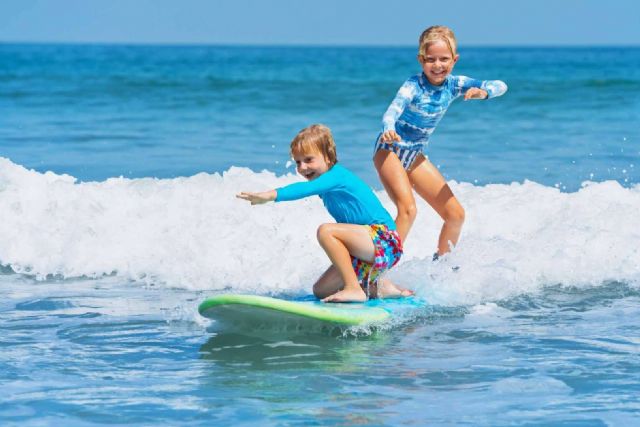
(118, 170)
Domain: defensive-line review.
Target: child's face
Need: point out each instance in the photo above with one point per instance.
(437, 62)
(310, 165)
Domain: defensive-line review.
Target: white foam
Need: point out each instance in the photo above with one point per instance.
(531, 386)
(193, 233)
(520, 237)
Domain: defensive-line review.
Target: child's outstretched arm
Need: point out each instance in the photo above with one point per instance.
(258, 198)
(298, 190)
(479, 89)
(475, 93)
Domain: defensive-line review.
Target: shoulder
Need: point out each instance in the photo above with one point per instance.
(336, 174)
(338, 169)
(411, 86)
(348, 178)
(415, 79)
(343, 175)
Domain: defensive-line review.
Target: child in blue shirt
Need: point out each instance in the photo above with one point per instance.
(409, 122)
(363, 243)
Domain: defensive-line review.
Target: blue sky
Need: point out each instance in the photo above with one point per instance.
(320, 22)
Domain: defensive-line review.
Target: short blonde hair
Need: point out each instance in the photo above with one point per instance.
(434, 34)
(315, 138)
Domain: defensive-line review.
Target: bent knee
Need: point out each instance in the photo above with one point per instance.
(407, 209)
(324, 231)
(316, 291)
(321, 290)
(455, 215)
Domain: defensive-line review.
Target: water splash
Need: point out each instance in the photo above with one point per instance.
(192, 233)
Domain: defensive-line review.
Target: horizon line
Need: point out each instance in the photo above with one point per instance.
(300, 45)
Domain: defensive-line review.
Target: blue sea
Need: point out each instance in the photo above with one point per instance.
(118, 170)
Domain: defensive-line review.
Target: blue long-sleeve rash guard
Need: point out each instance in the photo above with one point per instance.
(347, 198)
(418, 106)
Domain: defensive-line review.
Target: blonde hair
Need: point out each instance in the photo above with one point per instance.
(315, 138)
(434, 34)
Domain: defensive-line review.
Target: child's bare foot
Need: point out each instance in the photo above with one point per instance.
(347, 295)
(387, 289)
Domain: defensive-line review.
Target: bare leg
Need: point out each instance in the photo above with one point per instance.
(388, 289)
(395, 180)
(328, 283)
(340, 242)
(432, 187)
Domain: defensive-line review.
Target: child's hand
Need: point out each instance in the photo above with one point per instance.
(258, 198)
(390, 136)
(476, 93)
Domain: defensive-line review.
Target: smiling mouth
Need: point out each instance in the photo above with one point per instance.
(309, 175)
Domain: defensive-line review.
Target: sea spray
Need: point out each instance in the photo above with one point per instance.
(193, 233)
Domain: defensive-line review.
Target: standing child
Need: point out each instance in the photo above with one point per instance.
(407, 124)
(363, 243)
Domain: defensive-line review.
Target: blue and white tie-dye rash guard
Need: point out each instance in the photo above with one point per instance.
(418, 106)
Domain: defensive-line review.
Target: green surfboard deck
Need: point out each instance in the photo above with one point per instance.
(233, 309)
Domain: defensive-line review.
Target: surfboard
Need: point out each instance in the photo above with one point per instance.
(254, 312)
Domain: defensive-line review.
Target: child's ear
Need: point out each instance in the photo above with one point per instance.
(420, 58)
(455, 58)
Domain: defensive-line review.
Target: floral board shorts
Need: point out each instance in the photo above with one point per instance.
(388, 250)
